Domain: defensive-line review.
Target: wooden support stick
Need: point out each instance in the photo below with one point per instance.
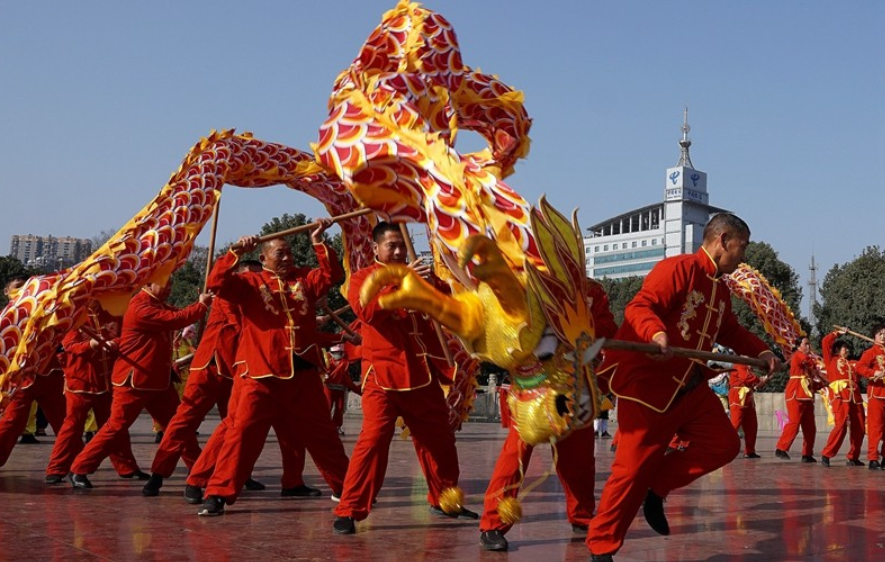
(306, 227)
(439, 333)
(211, 257)
(653, 349)
(333, 314)
(855, 334)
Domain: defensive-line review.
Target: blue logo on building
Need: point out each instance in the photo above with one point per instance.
(673, 177)
(694, 179)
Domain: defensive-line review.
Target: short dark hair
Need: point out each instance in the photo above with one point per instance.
(383, 228)
(17, 277)
(243, 265)
(725, 222)
(839, 344)
(876, 329)
(798, 341)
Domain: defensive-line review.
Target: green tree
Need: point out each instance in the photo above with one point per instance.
(853, 294)
(187, 283)
(11, 267)
(620, 292)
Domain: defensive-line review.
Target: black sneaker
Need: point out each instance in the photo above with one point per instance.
(825, 461)
(158, 438)
(601, 558)
(854, 462)
(302, 491)
(874, 465)
(79, 481)
(579, 528)
(28, 439)
(752, 456)
(493, 540)
(606, 435)
(212, 507)
(781, 454)
(253, 485)
(138, 475)
(52, 479)
(808, 459)
(464, 514)
(344, 526)
(193, 494)
(653, 509)
(87, 437)
(152, 488)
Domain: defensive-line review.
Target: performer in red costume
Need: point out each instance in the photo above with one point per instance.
(46, 388)
(799, 396)
(209, 383)
(742, 406)
(685, 302)
(845, 400)
(403, 362)
(142, 375)
(337, 382)
(88, 387)
(277, 359)
(872, 366)
(575, 465)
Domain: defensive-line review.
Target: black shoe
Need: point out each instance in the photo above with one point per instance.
(493, 540)
(464, 514)
(580, 529)
(601, 558)
(158, 437)
(808, 459)
(212, 507)
(605, 435)
(28, 439)
(653, 509)
(344, 526)
(40, 432)
(302, 491)
(193, 494)
(253, 485)
(55, 478)
(752, 456)
(87, 437)
(138, 475)
(874, 465)
(79, 481)
(613, 448)
(152, 488)
(854, 462)
(825, 461)
(781, 454)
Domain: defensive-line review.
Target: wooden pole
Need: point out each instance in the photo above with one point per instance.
(855, 334)
(437, 328)
(333, 314)
(308, 226)
(653, 349)
(211, 257)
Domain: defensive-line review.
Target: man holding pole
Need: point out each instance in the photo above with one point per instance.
(872, 366)
(403, 361)
(277, 360)
(683, 302)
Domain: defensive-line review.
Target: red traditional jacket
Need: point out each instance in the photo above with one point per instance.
(870, 362)
(686, 298)
(337, 376)
(219, 341)
(603, 320)
(802, 384)
(145, 352)
(400, 348)
(278, 334)
(841, 373)
(88, 370)
(742, 383)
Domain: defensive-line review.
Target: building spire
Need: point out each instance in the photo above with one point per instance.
(685, 143)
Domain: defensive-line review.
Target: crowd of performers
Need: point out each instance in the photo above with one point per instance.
(263, 362)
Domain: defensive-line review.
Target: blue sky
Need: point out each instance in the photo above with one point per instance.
(100, 100)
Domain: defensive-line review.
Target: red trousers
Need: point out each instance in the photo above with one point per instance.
(69, 440)
(875, 428)
(127, 405)
(575, 466)
(641, 465)
(425, 412)
(298, 411)
(847, 415)
(337, 400)
(204, 389)
(801, 414)
(49, 392)
(291, 451)
(746, 417)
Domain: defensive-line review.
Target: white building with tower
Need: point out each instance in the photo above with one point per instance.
(631, 243)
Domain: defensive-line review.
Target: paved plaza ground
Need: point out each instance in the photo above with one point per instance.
(751, 511)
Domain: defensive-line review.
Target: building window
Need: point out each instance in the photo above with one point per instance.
(644, 242)
(633, 245)
(654, 241)
(605, 248)
(595, 248)
(624, 246)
